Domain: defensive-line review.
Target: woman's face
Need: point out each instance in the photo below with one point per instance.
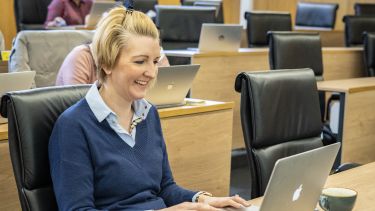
(136, 68)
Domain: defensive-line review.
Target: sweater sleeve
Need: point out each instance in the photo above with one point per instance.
(71, 168)
(55, 9)
(171, 193)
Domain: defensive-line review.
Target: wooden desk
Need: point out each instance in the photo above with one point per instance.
(215, 79)
(198, 140)
(329, 38)
(3, 66)
(357, 117)
(359, 179)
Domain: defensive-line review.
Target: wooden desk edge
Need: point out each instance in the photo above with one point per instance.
(3, 131)
(194, 109)
(346, 90)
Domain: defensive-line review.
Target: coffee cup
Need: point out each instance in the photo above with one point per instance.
(337, 199)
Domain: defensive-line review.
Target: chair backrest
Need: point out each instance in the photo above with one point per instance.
(218, 4)
(355, 26)
(180, 26)
(322, 15)
(364, 9)
(188, 2)
(44, 51)
(369, 50)
(30, 14)
(31, 117)
(145, 5)
(259, 23)
(280, 117)
(290, 50)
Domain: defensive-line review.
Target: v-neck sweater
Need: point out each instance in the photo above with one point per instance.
(92, 168)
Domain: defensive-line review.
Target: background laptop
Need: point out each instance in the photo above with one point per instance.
(13, 82)
(97, 9)
(296, 182)
(172, 85)
(220, 37)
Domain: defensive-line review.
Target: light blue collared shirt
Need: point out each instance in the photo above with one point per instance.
(103, 112)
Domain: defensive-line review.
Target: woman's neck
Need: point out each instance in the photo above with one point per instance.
(116, 103)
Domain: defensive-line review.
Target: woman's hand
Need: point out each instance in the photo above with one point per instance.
(191, 206)
(220, 202)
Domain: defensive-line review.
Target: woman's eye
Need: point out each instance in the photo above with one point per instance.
(156, 62)
(139, 62)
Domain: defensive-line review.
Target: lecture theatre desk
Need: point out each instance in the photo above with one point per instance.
(198, 140)
(360, 179)
(216, 76)
(357, 117)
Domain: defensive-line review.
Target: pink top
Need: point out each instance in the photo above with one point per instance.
(77, 68)
(72, 13)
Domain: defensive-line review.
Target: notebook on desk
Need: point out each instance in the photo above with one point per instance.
(172, 85)
(219, 37)
(297, 181)
(14, 82)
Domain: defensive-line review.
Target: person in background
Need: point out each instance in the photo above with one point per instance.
(107, 152)
(67, 12)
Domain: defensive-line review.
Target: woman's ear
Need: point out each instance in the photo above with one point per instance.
(106, 71)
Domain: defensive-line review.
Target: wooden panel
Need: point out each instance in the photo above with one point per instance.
(3, 66)
(3, 131)
(8, 191)
(231, 11)
(215, 80)
(199, 148)
(169, 2)
(359, 124)
(7, 22)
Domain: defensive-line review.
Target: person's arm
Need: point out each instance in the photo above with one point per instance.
(71, 168)
(55, 10)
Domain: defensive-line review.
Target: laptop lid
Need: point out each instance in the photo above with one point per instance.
(98, 8)
(220, 37)
(296, 182)
(13, 82)
(172, 85)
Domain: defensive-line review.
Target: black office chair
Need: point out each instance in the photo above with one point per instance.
(369, 53)
(319, 15)
(31, 117)
(188, 2)
(259, 23)
(30, 14)
(145, 5)
(218, 4)
(355, 26)
(361, 9)
(290, 50)
(180, 26)
(280, 117)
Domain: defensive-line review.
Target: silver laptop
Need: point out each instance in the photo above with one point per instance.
(14, 82)
(98, 8)
(220, 37)
(172, 85)
(297, 181)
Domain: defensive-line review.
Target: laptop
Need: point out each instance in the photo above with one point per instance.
(13, 82)
(172, 85)
(98, 8)
(296, 182)
(219, 38)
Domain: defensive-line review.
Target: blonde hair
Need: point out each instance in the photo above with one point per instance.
(112, 34)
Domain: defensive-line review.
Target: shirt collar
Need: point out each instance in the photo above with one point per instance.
(101, 110)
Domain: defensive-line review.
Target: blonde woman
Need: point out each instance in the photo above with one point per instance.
(107, 151)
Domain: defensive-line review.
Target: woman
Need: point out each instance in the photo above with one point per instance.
(107, 151)
(67, 12)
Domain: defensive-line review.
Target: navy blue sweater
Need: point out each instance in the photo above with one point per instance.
(92, 168)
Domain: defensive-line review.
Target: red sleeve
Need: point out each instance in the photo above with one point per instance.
(55, 9)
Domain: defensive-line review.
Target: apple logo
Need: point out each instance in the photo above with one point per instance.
(297, 193)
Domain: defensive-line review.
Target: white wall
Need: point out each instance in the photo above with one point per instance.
(246, 5)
